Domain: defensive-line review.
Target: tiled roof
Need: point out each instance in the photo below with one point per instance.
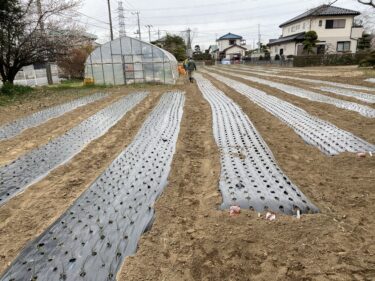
(295, 37)
(229, 36)
(235, 45)
(323, 10)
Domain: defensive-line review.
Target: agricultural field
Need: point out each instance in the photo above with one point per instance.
(137, 182)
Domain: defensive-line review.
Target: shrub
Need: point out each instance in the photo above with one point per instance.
(369, 60)
(277, 57)
(289, 56)
(11, 90)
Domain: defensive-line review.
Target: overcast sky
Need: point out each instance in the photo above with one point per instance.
(208, 19)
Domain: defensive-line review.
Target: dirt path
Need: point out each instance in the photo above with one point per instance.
(29, 214)
(187, 205)
(344, 119)
(34, 137)
(192, 240)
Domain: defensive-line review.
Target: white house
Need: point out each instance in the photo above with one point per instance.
(231, 47)
(335, 27)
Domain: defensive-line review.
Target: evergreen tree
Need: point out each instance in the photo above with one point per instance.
(311, 38)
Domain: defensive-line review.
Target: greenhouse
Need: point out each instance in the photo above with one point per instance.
(128, 60)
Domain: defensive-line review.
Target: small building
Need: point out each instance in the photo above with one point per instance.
(231, 47)
(336, 29)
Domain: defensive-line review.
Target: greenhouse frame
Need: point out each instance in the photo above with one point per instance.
(128, 60)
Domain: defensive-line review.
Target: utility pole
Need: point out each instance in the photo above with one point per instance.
(259, 38)
(188, 43)
(40, 14)
(139, 25)
(121, 19)
(149, 32)
(110, 18)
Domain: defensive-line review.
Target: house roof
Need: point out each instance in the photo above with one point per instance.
(230, 47)
(323, 10)
(294, 37)
(229, 36)
(213, 47)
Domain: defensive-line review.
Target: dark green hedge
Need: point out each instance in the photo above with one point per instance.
(329, 60)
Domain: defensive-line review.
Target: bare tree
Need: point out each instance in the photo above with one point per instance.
(367, 2)
(30, 35)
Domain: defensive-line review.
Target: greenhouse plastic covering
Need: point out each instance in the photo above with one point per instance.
(128, 60)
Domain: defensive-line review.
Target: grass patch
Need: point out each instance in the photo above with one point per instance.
(10, 93)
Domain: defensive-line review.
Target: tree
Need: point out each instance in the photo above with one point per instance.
(364, 2)
(173, 44)
(73, 63)
(367, 2)
(29, 36)
(364, 43)
(197, 49)
(311, 38)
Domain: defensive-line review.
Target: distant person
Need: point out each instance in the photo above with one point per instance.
(191, 67)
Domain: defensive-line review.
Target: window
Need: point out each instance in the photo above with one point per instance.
(332, 24)
(320, 23)
(343, 46)
(232, 42)
(281, 52)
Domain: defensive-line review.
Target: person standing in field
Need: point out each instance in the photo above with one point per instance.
(191, 67)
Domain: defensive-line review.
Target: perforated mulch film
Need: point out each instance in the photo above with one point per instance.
(103, 226)
(36, 164)
(16, 127)
(310, 95)
(250, 176)
(322, 134)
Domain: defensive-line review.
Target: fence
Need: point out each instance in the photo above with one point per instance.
(37, 75)
(280, 63)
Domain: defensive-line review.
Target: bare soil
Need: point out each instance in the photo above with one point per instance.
(192, 239)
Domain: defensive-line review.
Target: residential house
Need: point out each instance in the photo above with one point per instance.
(231, 47)
(213, 50)
(336, 29)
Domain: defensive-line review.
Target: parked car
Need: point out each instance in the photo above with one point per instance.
(225, 61)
